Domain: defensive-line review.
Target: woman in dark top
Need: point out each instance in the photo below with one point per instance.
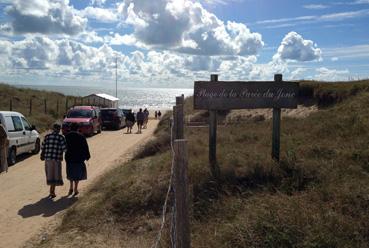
(77, 153)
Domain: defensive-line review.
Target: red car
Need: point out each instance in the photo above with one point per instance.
(87, 117)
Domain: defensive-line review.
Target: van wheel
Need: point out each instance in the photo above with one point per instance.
(99, 130)
(12, 156)
(37, 147)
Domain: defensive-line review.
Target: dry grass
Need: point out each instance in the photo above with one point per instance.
(317, 196)
(21, 97)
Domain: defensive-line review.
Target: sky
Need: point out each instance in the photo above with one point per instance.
(172, 43)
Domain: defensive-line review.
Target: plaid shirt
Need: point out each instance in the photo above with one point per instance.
(53, 146)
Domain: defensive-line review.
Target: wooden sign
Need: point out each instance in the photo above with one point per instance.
(245, 95)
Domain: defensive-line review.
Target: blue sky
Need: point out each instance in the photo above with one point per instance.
(171, 43)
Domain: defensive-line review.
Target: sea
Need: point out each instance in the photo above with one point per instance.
(130, 98)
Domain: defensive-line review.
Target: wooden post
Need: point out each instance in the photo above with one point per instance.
(179, 118)
(75, 101)
(30, 106)
(182, 227)
(214, 168)
(57, 106)
(11, 105)
(66, 104)
(45, 106)
(276, 135)
(174, 123)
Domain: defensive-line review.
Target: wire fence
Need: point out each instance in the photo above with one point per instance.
(167, 198)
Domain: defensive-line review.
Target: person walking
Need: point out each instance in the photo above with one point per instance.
(4, 146)
(146, 118)
(52, 150)
(130, 121)
(140, 119)
(75, 157)
(156, 114)
(159, 114)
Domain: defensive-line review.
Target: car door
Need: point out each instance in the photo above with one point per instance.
(29, 139)
(16, 132)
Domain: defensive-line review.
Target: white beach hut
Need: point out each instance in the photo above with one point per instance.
(102, 100)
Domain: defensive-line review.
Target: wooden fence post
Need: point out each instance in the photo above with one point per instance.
(30, 106)
(182, 226)
(66, 104)
(214, 168)
(179, 118)
(276, 134)
(11, 105)
(57, 107)
(45, 106)
(75, 101)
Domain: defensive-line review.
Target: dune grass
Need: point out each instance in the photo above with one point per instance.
(317, 196)
(20, 99)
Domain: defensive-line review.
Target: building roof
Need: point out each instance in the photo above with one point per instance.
(106, 96)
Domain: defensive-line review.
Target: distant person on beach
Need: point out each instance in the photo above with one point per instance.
(159, 114)
(156, 114)
(52, 150)
(130, 121)
(140, 120)
(4, 144)
(146, 120)
(75, 157)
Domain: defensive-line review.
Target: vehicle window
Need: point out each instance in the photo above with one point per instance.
(26, 124)
(17, 123)
(9, 124)
(108, 112)
(80, 113)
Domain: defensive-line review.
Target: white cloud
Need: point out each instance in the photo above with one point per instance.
(325, 74)
(98, 2)
(186, 27)
(316, 6)
(304, 20)
(100, 14)
(298, 73)
(334, 59)
(46, 17)
(349, 52)
(219, 2)
(89, 37)
(294, 48)
(362, 1)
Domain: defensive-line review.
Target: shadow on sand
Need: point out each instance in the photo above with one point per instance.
(46, 207)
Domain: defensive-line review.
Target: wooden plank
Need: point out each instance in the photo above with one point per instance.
(276, 139)
(179, 118)
(183, 236)
(240, 95)
(214, 169)
(174, 123)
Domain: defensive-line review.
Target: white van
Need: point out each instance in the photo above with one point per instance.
(23, 137)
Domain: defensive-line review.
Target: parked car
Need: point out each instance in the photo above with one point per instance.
(125, 111)
(88, 119)
(23, 137)
(113, 118)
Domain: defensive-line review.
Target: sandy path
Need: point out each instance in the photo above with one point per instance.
(23, 207)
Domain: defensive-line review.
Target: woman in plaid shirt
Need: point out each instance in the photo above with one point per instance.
(53, 147)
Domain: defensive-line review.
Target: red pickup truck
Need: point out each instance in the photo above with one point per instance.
(87, 117)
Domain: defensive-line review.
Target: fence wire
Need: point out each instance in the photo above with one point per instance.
(167, 197)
